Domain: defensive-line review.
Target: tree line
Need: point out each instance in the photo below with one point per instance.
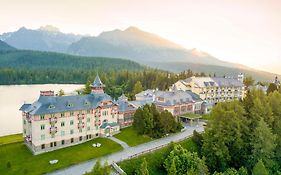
(149, 121)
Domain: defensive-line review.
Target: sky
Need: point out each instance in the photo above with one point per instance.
(241, 31)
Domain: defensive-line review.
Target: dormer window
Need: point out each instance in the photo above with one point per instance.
(70, 105)
(51, 106)
(86, 103)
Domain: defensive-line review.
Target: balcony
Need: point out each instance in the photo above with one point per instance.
(28, 138)
(53, 130)
(53, 120)
(81, 125)
(80, 116)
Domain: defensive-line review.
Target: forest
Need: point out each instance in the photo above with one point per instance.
(241, 138)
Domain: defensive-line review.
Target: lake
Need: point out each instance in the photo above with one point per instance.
(13, 96)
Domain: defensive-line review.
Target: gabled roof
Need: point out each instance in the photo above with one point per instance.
(97, 82)
(57, 104)
(125, 106)
(214, 82)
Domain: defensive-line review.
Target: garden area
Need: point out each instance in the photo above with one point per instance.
(130, 136)
(16, 158)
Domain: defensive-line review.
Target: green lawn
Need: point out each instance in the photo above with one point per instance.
(155, 159)
(130, 136)
(23, 162)
(11, 139)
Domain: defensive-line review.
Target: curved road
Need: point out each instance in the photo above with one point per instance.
(127, 153)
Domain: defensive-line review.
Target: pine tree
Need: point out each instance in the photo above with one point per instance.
(143, 168)
(263, 144)
(259, 169)
(172, 169)
(138, 87)
(271, 88)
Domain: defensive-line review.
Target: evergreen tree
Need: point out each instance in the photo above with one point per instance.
(172, 169)
(143, 168)
(248, 81)
(263, 144)
(148, 120)
(139, 123)
(225, 130)
(185, 162)
(259, 169)
(138, 87)
(271, 88)
(61, 92)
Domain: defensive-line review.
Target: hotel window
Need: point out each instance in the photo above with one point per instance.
(62, 133)
(71, 113)
(42, 117)
(71, 131)
(62, 124)
(55, 143)
(71, 140)
(88, 128)
(62, 142)
(62, 114)
(88, 119)
(42, 127)
(24, 122)
(71, 122)
(43, 146)
(80, 138)
(43, 137)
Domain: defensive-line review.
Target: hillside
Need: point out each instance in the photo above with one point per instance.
(25, 67)
(46, 38)
(5, 47)
(139, 46)
(212, 69)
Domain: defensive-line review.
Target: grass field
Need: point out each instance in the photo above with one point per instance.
(23, 162)
(11, 139)
(155, 159)
(130, 136)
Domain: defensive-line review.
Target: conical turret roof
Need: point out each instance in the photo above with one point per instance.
(97, 82)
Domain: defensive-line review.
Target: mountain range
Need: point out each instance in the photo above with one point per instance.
(131, 43)
(46, 38)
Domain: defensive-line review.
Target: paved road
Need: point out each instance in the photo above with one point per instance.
(81, 168)
(120, 142)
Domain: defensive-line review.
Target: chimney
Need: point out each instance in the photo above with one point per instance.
(47, 93)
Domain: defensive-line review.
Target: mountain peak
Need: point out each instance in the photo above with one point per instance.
(132, 29)
(49, 28)
(22, 29)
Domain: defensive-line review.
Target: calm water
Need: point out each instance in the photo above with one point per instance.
(12, 97)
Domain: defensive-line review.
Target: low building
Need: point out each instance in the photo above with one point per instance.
(177, 102)
(214, 89)
(126, 112)
(54, 122)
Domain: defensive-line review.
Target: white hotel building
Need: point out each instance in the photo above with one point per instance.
(54, 122)
(214, 89)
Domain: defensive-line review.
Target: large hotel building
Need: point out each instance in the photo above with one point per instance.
(54, 122)
(214, 89)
